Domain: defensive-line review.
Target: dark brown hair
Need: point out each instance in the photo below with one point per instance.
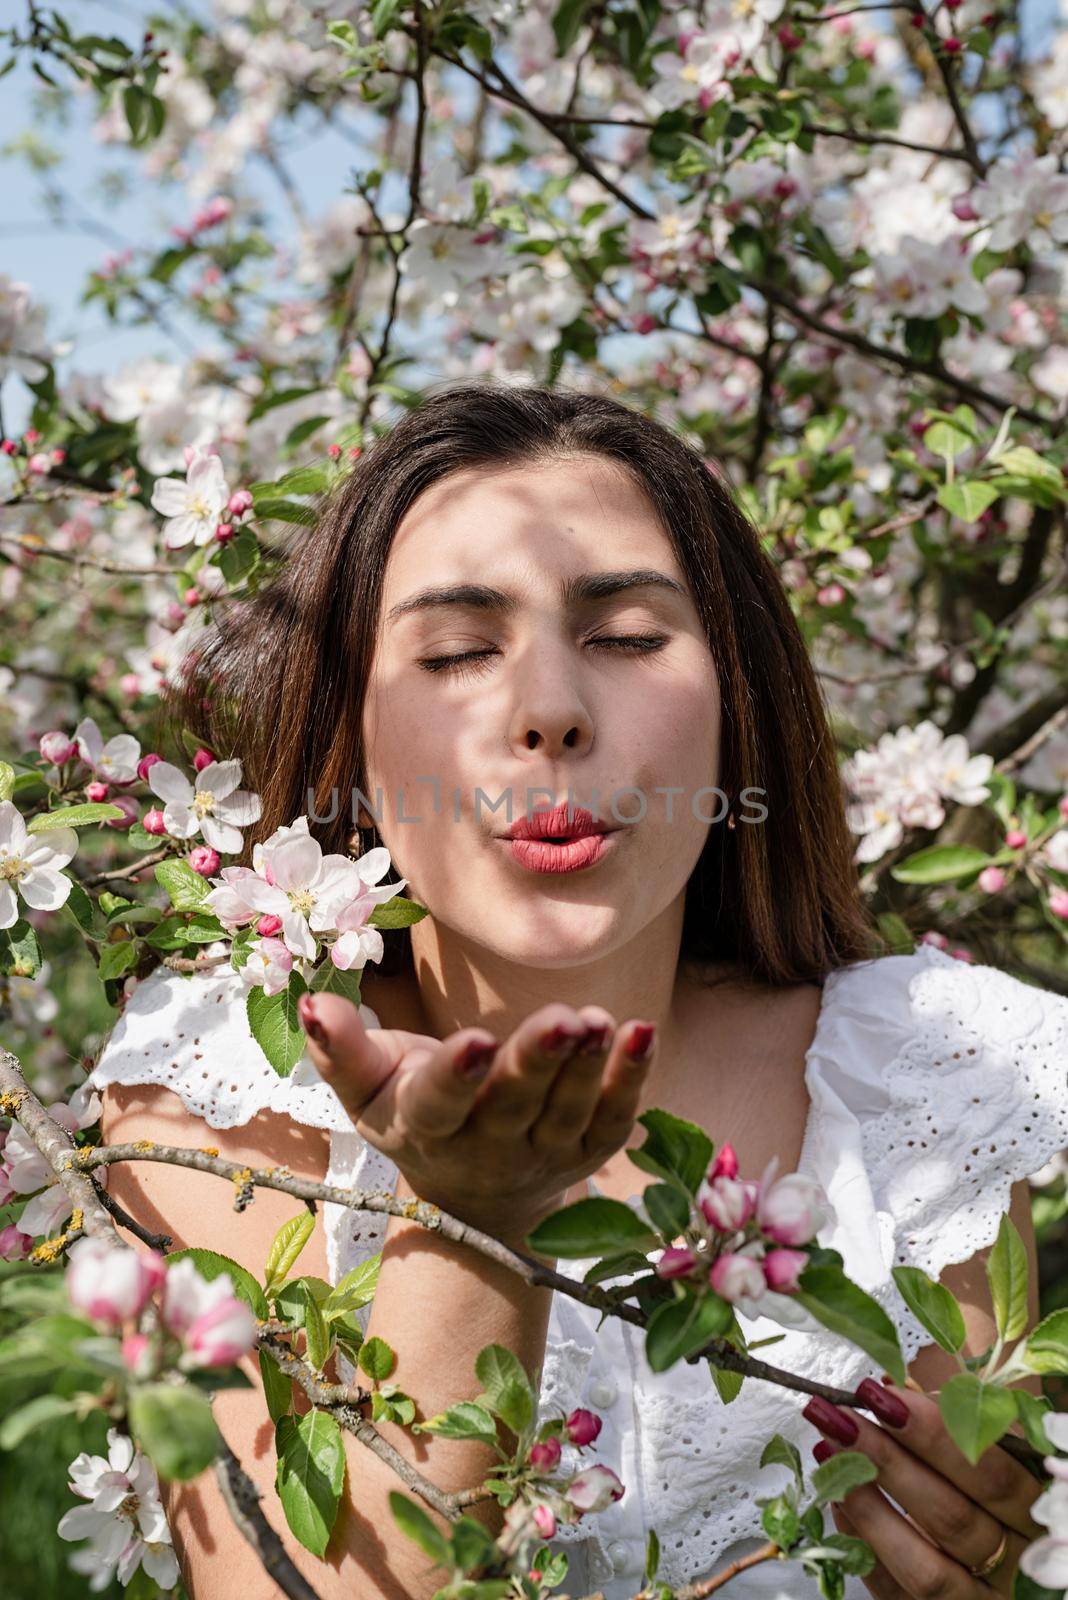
(280, 682)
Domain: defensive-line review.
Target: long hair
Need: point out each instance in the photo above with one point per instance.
(281, 679)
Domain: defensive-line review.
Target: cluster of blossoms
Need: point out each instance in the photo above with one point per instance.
(200, 507)
(754, 1233)
(164, 1317)
(547, 1500)
(24, 1170)
(192, 1322)
(299, 899)
(1046, 1561)
(904, 781)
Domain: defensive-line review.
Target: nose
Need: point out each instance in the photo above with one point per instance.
(549, 715)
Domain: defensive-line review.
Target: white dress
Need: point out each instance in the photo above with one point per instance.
(934, 1085)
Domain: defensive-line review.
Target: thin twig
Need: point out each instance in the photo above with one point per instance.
(243, 1500)
(54, 1143)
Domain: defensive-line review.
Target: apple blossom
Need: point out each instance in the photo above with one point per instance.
(57, 748)
(145, 763)
(726, 1203)
(113, 762)
(191, 505)
(269, 925)
(215, 807)
(111, 1283)
(783, 1269)
(737, 1277)
(992, 880)
(96, 791)
(545, 1521)
(545, 1455)
(268, 967)
(30, 863)
(123, 1520)
(130, 811)
(582, 1426)
(153, 821)
(221, 1335)
(203, 859)
(311, 892)
(675, 1262)
(593, 1489)
(725, 1164)
(791, 1209)
(14, 1244)
(203, 758)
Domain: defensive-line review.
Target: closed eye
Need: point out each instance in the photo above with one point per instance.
(470, 662)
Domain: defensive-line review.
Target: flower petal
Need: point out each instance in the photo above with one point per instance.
(170, 783)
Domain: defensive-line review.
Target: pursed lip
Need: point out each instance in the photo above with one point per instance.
(559, 824)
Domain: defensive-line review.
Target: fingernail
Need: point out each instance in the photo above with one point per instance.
(594, 1042)
(641, 1040)
(829, 1419)
(476, 1059)
(823, 1451)
(562, 1037)
(312, 1025)
(888, 1407)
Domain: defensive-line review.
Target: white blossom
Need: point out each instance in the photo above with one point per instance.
(213, 806)
(123, 1518)
(30, 863)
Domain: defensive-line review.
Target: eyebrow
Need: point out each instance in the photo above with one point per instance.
(587, 587)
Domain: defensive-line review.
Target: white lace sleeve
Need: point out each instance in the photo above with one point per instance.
(936, 1084)
(191, 1035)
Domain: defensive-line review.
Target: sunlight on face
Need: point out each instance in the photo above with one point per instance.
(543, 701)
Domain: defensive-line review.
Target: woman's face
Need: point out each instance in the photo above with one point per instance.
(548, 703)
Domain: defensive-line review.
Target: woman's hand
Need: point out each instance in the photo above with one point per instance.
(492, 1133)
(954, 1519)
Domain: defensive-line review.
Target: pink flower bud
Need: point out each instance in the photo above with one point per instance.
(788, 38)
(992, 880)
(153, 822)
(96, 791)
(545, 1521)
(9, 447)
(791, 1209)
(224, 532)
(736, 1277)
(1058, 903)
(136, 1354)
(58, 457)
(111, 1283)
(239, 502)
(783, 1269)
(582, 1427)
(593, 1489)
(203, 758)
(57, 748)
(725, 1164)
(222, 1334)
(38, 463)
(832, 594)
(269, 925)
(203, 859)
(676, 1262)
(952, 46)
(14, 1244)
(129, 808)
(726, 1203)
(191, 596)
(545, 1455)
(334, 451)
(932, 936)
(963, 209)
(31, 436)
(145, 763)
(1015, 839)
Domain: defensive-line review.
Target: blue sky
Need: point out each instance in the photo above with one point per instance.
(56, 262)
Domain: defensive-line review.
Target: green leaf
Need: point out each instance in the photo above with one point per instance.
(174, 933)
(377, 1359)
(967, 498)
(275, 1024)
(83, 816)
(780, 1452)
(652, 1555)
(318, 1342)
(466, 1420)
(932, 1305)
(844, 1308)
(673, 1149)
(417, 1526)
(975, 1413)
(328, 979)
(355, 1289)
(851, 1555)
(311, 1473)
(680, 1327)
(728, 1384)
(7, 781)
(174, 1426)
(1046, 1348)
(499, 1371)
(285, 1249)
(79, 906)
(277, 1388)
(940, 863)
(115, 959)
(1032, 1410)
(396, 913)
(591, 1227)
(842, 1473)
(781, 1522)
(185, 888)
(210, 1264)
(284, 511)
(514, 1404)
(20, 953)
(943, 439)
(667, 1208)
(1008, 1274)
(290, 1302)
(35, 1413)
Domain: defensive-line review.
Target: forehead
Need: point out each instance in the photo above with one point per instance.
(549, 518)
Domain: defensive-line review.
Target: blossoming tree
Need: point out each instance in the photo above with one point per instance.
(826, 245)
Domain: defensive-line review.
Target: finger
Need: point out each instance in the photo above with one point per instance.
(909, 1560)
(963, 1529)
(344, 1055)
(512, 1097)
(878, 1581)
(624, 1078)
(574, 1092)
(999, 1483)
(436, 1090)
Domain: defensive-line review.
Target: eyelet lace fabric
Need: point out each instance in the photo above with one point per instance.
(934, 1086)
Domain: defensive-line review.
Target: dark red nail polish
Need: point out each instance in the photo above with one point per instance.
(476, 1059)
(830, 1420)
(823, 1451)
(641, 1040)
(312, 1026)
(559, 1038)
(882, 1403)
(596, 1037)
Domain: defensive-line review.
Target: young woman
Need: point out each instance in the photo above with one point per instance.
(518, 590)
